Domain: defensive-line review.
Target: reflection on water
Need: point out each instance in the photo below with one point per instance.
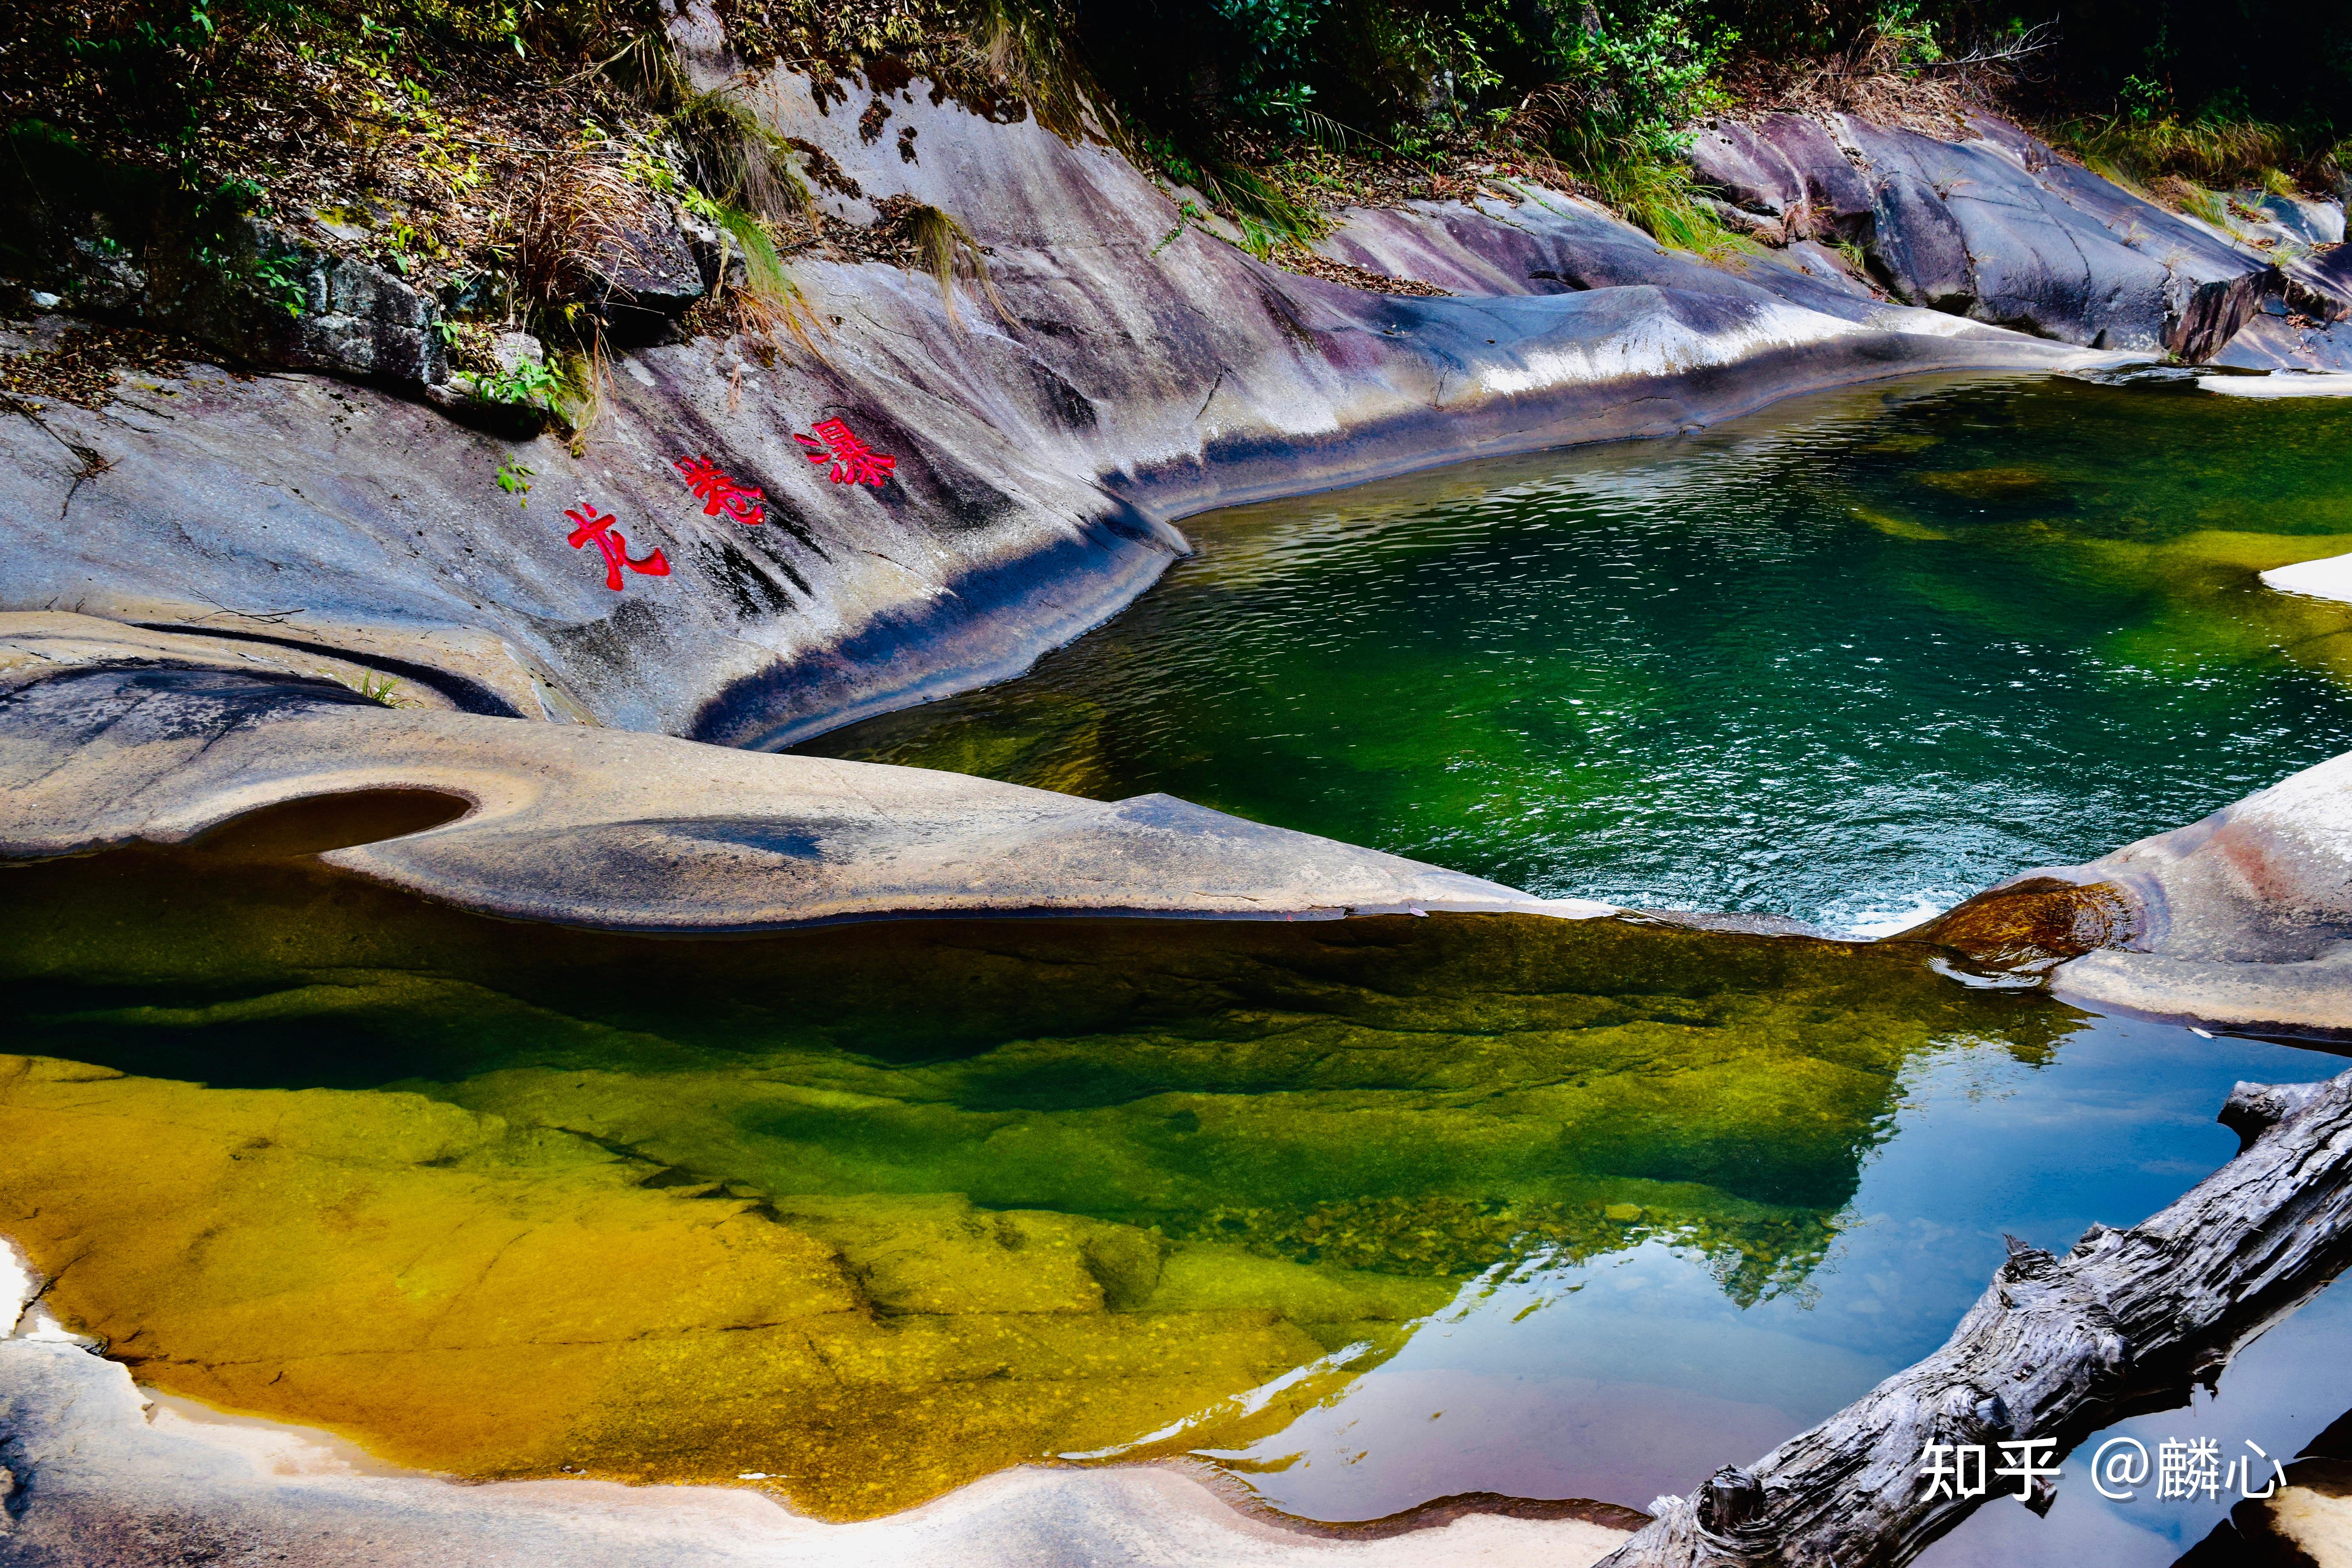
(1848, 660)
(1372, 1211)
(1628, 1375)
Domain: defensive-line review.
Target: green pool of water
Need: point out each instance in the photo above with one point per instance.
(1404, 1207)
(1848, 660)
(1368, 1212)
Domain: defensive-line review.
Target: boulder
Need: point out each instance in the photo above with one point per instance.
(2050, 247)
(2243, 920)
(1837, 199)
(2275, 341)
(2320, 285)
(127, 245)
(1551, 243)
(1732, 159)
(650, 276)
(1786, 167)
(1916, 246)
(353, 319)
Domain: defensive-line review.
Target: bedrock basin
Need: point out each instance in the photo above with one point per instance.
(1367, 1212)
(1848, 660)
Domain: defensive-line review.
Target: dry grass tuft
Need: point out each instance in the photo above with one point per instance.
(1024, 44)
(1884, 78)
(943, 245)
(735, 159)
(575, 213)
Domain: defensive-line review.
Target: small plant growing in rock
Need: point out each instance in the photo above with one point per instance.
(514, 477)
(526, 384)
(382, 689)
(281, 278)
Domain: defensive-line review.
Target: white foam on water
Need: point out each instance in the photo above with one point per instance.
(1876, 921)
(2327, 578)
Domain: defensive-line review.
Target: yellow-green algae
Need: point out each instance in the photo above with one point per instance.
(877, 1209)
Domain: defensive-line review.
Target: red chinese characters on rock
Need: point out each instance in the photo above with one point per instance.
(853, 462)
(720, 494)
(615, 549)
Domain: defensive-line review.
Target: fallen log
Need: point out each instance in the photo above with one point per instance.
(2055, 1350)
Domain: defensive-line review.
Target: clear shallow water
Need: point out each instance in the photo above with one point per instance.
(1371, 1212)
(1613, 1376)
(1848, 660)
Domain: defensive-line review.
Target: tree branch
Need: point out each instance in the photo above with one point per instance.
(2055, 1350)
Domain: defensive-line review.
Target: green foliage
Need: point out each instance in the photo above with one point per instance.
(1910, 38)
(281, 278)
(526, 384)
(2145, 142)
(380, 687)
(1274, 52)
(1267, 215)
(514, 477)
(1654, 194)
(1630, 87)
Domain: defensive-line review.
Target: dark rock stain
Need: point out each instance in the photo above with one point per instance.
(1072, 408)
(754, 592)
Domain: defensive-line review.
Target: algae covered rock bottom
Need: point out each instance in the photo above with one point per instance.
(1849, 659)
(872, 1210)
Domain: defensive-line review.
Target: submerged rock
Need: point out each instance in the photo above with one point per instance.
(120, 1481)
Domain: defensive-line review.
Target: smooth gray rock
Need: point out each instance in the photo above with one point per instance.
(1145, 373)
(1917, 247)
(2242, 920)
(2272, 343)
(643, 833)
(1998, 227)
(2036, 264)
(1786, 166)
(1836, 197)
(1732, 160)
(2320, 284)
(1550, 243)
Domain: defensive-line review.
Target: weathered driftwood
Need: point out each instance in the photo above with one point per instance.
(2057, 1349)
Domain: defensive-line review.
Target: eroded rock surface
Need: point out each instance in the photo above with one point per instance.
(584, 827)
(2244, 919)
(1139, 370)
(1999, 227)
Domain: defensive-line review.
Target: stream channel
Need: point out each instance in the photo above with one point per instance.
(1366, 1213)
